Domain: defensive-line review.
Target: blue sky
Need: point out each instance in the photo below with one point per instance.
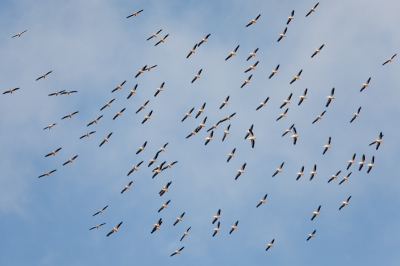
(92, 47)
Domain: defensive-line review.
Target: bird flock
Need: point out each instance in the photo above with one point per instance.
(249, 134)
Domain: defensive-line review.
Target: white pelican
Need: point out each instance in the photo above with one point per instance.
(56, 93)
(70, 160)
(209, 138)
(216, 229)
(165, 188)
(316, 213)
(44, 75)
(159, 89)
(192, 51)
(251, 138)
(204, 39)
(312, 9)
(132, 91)
(134, 14)
(299, 174)
(351, 161)
(296, 77)
(11, 91)
(278, 170)
(232, 53)
(224, 102)
(216, 217)
(362, 162)
(290, 18)
(286, 101)
(157, 226)
(100, 211)
(69, 115)
(226, 132)
(283, 114)
(251, 67)
(187, 114)
(240, 171)
(246, 81)
(330, 97)
(197, 75)
(192, 133)
(118, 113)
(345, 178)
(334, 176)
(146, 117)
(158, 170)
(317, 51)
(377, 141)
(153, 160)
(19, 34)
(262, 104)
(115, 229)
(127, 187)
(169, 165)
(311, 235)
(107, 104)
(164, 205)
(227, 117)
(162, 149)
(201, 110)
(154, 35)
(186, 233)
(48, 173)
(270, 245)
(313, 172)
(97, 226)
(389, 60)
(142, 70)
(201, 125)
(178, 219)
(142, 147)
(95, 120)
(68, 92)
(119, 86)
(177, 251)
(319, 117)
(294, 136)
(262, 200)
(143, 106)
(49, 127)
(234, 227)
(288, 130)
(282, 34)
(248, 131)
(230, 155)
(356, 114)
(52, 153)
(327, 146)
(87, 134)
(344, 203)
(161, 40)
(274, 71)
(252, 54)
(150, 67)
(105, 139)
(370, 165)
(134, 168)
(253, 20)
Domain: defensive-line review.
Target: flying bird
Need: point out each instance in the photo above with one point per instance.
(177, 251)
(164, 205)
(253, 20)
(334, 176)
(107, 104)
(216, 229)
(251, 138)
(252, 67)
(142, 70)
(69, 115)
(262, 200)
(270, 245)
(294, 136)
(249, 131)
(278, 170)
(330, 97)
(100, 211)
(158, 170)
(49, 127)
(296, 77)
(252, 54)
(377, 141)
(216, 217)
(314, 172)
(153, 160)
(134, 14)
(319, 117)
(230, 155)
(142, 147)
(115, 229)
(327, 146)
(52, 153)
(240, 171)
(95, 120)
(70, 160)
(127, 187)
(68, 92)
(105, 139)
(143, 106)
(288, 130)
(154, 35)
(161, 40)
(283, 114)
(178, 219)
(370, 165)
(317, 51)
(362, 162)
(201, 110)
(287, 101)
(58, 92)
(262, 104)
(246, 81)
(224, 102)
(157, 226)
(232, 53)
(209, 138)
(290, 18)
(234, 227)
(187, 114)
(165, 188)
(311, 235)
(44, 75)
(48, 173)
(389, 60)
(162, 149)
(169, 165)
(351, 161)
(146, 117)
(226, 132)
(204, 39)
(227, 118)
(186, 233)
(150, 67)
(132, 91)
(134, 168)
(19, 34)
(11, 91)
(192, 51)
(119, 86)
(201, 125)
(282, 34)
(345, 178)
(299, 174)
(118, 113)
(197, 75)
(312, 9)
(274, 71)
(356, 114)
(344, 203)
(316, 213)
(97, 226)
